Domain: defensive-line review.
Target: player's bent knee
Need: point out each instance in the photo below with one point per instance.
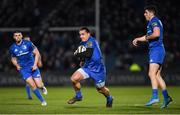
(152, 74)
(102, 89)
(39, 85)
(99, 90)
(74, 80)
(106, 89)
(31, 82)
(76, 77)
(33, 85)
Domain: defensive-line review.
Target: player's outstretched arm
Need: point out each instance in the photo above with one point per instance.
(139, 39)
(14, 62)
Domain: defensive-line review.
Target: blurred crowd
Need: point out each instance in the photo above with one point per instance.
(120, 22)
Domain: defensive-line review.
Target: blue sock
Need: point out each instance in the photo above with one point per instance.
(165, 93)
(78, 94)
(38, 95)
(28, 90)
(155, 93)
(109, 98)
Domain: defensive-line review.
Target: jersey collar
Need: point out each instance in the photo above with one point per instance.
(19, 43)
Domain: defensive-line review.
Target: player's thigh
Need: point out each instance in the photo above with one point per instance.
(153, 69)
(37, 77)
(78, 75)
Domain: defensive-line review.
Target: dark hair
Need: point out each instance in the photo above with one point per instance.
(17, 32)
(151, 8)
(85, 28)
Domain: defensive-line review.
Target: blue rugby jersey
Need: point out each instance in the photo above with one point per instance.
(23, 52)
(155, 22)
(95, 62)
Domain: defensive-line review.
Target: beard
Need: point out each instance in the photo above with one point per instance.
(18, 41)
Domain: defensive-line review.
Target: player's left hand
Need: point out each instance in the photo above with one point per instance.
(135, 42)
(34, 67)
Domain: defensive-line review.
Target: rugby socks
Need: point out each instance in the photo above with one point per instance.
(78, 94)
(109, 98)
(165, 93)
(38, 95)
(28, 90)
(155, 93)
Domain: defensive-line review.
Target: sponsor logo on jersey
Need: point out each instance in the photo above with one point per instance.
(89, 44)
(15, 50)
(22, 53)
(24, 47)
(154, 24)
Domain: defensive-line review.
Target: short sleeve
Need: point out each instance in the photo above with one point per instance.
(90, 44)
(11, 53)
(31, 46)
(154, 23)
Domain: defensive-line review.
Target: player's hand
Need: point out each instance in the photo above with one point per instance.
(18, 67)
(81, 63)
(34, 67)
(135, 42)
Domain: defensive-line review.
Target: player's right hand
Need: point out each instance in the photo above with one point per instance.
(18, 67)
(34, 67)
(135, 42)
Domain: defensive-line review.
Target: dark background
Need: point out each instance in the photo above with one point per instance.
(120, 22)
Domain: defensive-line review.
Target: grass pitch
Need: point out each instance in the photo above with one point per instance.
(127, 100)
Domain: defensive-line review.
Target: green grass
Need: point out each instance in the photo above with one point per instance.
(127, 100)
